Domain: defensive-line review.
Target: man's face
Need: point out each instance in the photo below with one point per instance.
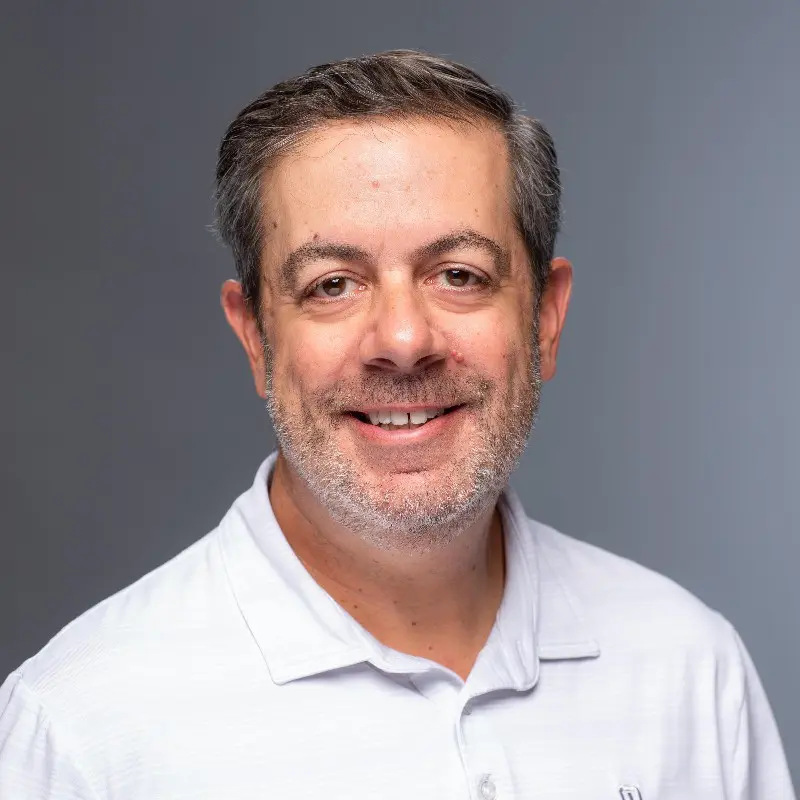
(397, 287)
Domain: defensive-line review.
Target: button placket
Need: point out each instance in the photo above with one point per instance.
(483, 756)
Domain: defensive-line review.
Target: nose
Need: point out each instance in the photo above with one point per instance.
(402, 336)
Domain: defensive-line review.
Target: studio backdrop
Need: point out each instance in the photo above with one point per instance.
(128, 420)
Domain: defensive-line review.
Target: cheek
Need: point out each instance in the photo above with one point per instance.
(310, 358)
(494, 348)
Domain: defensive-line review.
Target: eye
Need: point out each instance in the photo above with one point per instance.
(334, 286)
(461, 278)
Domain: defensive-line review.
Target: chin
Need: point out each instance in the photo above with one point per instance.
(415, 496)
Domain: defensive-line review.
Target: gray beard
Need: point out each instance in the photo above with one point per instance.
(429, 517)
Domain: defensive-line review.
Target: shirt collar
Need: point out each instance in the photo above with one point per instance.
(559, 624)
(301, 631)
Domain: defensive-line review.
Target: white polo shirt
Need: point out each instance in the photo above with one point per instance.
(228, 673)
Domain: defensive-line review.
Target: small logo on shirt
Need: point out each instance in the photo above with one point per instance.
(630, 793)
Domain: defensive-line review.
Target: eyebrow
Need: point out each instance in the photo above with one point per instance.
(465, 238)
(311, 251)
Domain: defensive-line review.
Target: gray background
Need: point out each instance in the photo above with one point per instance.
(670, 435)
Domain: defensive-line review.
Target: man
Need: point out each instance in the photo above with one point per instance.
(376, 617)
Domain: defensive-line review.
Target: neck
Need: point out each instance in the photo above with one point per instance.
(440, 604)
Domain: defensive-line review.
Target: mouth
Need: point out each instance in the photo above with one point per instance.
(395, 419)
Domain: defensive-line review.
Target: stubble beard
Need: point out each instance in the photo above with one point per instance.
(429, 516)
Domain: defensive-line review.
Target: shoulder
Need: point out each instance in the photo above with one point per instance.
(629, 607)
(668, 666)
(131, 637)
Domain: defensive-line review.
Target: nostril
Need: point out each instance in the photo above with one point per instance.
(386, 363)
(427, 361)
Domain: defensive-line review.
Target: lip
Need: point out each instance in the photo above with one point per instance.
(431, 429)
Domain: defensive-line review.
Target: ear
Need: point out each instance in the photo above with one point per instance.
(241, 317)
(552, 313)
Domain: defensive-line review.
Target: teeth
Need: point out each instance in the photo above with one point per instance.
(399, 418)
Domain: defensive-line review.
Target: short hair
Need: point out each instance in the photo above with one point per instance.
(394, 85)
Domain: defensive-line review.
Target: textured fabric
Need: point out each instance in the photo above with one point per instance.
(229, 673)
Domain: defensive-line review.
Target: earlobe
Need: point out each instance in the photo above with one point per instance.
(244, 324)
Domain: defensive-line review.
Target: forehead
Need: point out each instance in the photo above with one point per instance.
(408, 177)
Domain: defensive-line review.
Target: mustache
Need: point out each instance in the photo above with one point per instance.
(383, 389)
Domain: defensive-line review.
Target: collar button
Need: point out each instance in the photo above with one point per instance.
(487, 788)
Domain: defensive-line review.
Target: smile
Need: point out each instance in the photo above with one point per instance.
(393, 419)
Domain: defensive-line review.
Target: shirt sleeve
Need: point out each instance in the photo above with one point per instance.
(759, 770)
(35, 761)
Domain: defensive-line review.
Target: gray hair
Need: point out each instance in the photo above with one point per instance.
(396, 84)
